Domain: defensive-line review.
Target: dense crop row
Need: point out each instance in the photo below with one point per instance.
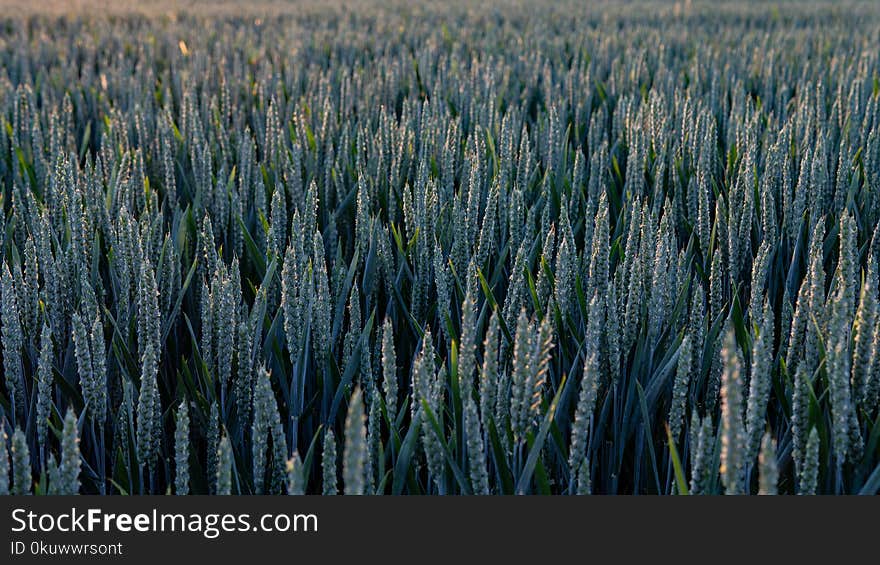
(626, 249)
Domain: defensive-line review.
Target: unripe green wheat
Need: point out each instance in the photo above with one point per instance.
(149, 427)
(871, 395)
(467, 345)
(44, 384)
(224, 467)
(280, 453)
(681, 387)
(389, 371)
(148, 310)
(99, 369)
(322, 307)
(69, 468)
(4, 465)
(703, 471)
(810, 476)
(21, 464)
(264, 404)
(290, 286)
(580, 430)
(295, 483)
(584, 483)
(213, 447)
(863, 328)
(244, 379)
(91, 366)
(566, 259)
(838, 359)
(374, 439)
(520, 382)
(489, 371)
(759, 384)
(732, 432)
(476, 453)
(768, 470)
(236, 217)
(12, 340)
(181, 450)
(328, 464)
(355, 456)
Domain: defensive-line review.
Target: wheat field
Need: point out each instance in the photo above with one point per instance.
(439, 248)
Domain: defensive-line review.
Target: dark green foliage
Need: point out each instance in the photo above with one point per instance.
(617, 248)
